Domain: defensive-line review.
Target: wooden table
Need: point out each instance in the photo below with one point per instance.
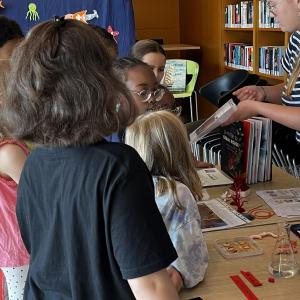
(280, 180)
(217, 283)
(176, 47)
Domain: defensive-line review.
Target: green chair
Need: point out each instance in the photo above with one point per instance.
(192, 68)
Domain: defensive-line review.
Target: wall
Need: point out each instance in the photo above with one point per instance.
(200, 25)
(157, 19)
(185, 21)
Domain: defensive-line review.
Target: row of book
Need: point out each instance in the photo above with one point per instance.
(265, 18)
(239, 15)
(238, 55)
(270, 60)
(247, 149)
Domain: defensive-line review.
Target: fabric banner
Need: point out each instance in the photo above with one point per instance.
(115, 13)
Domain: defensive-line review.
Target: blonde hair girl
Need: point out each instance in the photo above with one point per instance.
(161, 140)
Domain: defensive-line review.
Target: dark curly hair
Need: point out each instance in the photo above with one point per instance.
(9, 30)
(62, 90)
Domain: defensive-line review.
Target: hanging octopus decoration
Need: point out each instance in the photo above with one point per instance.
(32, 12)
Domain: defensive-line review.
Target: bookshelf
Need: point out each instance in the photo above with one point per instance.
(256, 36)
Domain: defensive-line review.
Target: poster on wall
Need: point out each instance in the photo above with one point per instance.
(116, 14)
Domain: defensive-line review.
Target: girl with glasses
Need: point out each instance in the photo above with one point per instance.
(153, 54)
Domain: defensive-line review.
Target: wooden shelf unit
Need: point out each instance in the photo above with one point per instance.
(258, 37)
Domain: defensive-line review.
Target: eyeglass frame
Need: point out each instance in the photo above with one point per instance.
(159, 90)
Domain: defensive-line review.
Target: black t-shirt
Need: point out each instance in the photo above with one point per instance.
(89, 220)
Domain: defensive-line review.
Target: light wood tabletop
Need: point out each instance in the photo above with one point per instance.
(175, 47)
(280, 180)
(218, 284)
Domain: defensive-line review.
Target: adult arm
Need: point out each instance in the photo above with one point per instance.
(12, 159)
(270, 94)
(153, 286)
(285, 115)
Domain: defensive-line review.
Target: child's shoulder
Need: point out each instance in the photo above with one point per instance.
(7, 143)
(10, 148)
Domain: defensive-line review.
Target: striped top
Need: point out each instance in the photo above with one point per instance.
(288, 61)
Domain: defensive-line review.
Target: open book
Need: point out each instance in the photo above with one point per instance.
(217, 214)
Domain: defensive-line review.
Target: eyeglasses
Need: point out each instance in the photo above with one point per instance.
(145, 95)
(177, 110)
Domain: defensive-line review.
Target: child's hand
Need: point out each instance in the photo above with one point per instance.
(175, 278)
(198, 164)
(203, 165)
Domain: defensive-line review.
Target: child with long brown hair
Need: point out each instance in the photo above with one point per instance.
(88, 234)
(161, 140)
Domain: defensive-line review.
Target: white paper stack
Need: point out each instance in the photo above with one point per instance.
(284, 202)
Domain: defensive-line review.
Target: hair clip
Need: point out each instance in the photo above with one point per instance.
(61, 22)
(58, 18)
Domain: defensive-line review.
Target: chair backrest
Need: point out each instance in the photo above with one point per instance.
(192, 69)
(220, 89)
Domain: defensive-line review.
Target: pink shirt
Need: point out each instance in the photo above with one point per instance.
(12, 249)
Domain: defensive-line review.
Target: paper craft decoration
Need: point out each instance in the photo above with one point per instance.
(83, 16)
(1, 4)
(113, 33)
(32, 12)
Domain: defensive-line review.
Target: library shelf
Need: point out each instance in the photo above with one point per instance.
(255, 36)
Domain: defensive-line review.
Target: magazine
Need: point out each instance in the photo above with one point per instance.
(247, 149)
(284, 202)
(216, 214)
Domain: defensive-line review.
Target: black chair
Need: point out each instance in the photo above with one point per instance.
(219, 90)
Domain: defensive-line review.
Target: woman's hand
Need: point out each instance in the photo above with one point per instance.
(245, 110)
(251, 92)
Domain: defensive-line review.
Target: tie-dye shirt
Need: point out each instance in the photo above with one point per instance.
(184, 227)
